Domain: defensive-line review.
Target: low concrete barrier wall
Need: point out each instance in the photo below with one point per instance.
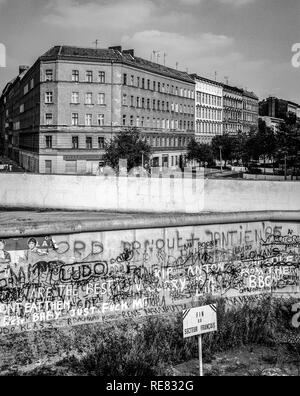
(186, 195)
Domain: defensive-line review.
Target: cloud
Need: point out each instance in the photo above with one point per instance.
(99, 14)
(237, 2)
(185, 49)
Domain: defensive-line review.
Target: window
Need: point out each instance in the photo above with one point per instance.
(138, 104)
(49, 75)
(101, 99)
(131, 101)
(124, 120)
(124, 79)
(158, 87)
(124, 102)
(48, 142)
(154, 85)
(22, 108)
(75, 97)
(25, 89)
(75, 75)
(138, 80)
(49, 119)
(89, 142)
(148, 84)
(132, 81)
(75, 142)
(154, 104)
(32, 84)
(101, 142)
(101, 77)
(131, 120)
(75, 119)
(143, 83)
(88, 119)
(148, 104)
(89, 98)
(101, 119)
(49, 97)
(89, 76)
(143, 103)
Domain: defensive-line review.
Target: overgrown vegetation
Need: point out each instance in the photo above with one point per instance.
(150, 347)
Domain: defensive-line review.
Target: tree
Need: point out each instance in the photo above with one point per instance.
(129, 145)
(201, 153)
(225, 144)
(288, 145)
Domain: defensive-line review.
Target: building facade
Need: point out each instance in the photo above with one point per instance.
(250, 111)
(232, 110)
(208, 109)
(279, 108)
(58, 114)
(241, 110)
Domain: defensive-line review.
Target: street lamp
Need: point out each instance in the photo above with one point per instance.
(221, 160)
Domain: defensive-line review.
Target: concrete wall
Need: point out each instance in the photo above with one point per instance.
(87, 277)
(146, 194)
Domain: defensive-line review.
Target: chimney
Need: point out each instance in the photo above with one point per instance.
(129, 52)
(23, 69)
(116, 48)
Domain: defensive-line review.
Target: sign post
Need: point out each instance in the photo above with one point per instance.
(198, 321)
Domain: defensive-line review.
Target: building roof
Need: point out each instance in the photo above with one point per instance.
(250, 94)
(113, 54)
(197, 77)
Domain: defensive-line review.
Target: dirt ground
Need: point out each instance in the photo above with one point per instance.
(247, 361)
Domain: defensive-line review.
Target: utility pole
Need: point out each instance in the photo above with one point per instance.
(96, 43)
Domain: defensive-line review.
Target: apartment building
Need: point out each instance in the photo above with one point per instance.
(58, 113)
(250, 111)
(208, 109)
(240, 113)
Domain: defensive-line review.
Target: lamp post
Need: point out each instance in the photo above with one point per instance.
(221, 160)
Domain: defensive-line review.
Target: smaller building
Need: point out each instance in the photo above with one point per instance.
(250, 111)
(208, 109)
(272, 122)
(233, 99)
(278, 108)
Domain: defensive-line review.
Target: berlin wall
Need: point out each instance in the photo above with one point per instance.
(53, 281)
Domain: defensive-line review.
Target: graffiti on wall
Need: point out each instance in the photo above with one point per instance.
(95, 277)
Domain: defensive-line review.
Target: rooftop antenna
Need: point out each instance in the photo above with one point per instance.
(96, 43)
(216, 75)
(165, 56)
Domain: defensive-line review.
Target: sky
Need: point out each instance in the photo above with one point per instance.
(248, 42)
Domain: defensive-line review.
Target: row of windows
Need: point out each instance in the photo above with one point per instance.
(236, 103)
(210, 100)
(89, 99)
(157, 123)
(89, 142)
(89, 119)
(75, 77)
(233, 115)
(209, 114)
(157, 105)
(143, 83)
(153, 141)
(208, 127)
